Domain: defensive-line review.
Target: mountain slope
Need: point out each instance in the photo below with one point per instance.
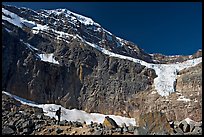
(57, 56)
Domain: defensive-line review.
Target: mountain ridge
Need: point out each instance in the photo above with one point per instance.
(78, 67)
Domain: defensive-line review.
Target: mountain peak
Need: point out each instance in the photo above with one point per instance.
(69, 14)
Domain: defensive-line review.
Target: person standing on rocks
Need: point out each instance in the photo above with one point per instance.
(58, 113)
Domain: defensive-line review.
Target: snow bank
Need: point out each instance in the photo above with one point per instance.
(48, 58)
(74, 114)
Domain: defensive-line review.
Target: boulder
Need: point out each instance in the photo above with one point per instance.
(197, 131)
(192, 126)
(38, 126)
(28, 124)
(46, 117)
(136, 132)
(184, 126)
(59, 130)
(140, 131)
(7, 131)
(77, 124)
(178, 131)
(62, 123)
(97, 132)
(110, 123)
(12, 127)
(119, 130)
(176, 124)
(41, 122)
(39, 116)
(131, 128)
(38, 110)
(27, 131)
(154, 122)
(198, 124)
(50, 130)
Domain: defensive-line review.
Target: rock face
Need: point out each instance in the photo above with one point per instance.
(177, 58)
(190, 79)
(85, 78)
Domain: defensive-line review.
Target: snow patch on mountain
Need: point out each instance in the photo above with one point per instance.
(16, 20)
(73, 16)
(11, 18)
(73, 114)
(48, 58)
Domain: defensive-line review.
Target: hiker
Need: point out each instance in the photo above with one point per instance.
(58, 113)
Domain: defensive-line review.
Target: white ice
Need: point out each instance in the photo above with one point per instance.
(16, 20)
(48, 58)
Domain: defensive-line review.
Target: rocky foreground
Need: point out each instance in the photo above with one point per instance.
(20, 119)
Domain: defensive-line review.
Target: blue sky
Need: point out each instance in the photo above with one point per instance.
(169, 28)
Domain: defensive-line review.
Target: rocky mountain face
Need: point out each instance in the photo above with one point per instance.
(50, 56)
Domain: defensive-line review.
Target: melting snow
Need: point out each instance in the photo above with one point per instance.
(74, 114)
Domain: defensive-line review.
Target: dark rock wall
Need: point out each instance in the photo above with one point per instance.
(85, 79)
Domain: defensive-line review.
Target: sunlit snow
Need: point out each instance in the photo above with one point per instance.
(16, 20)
(48, 58)
(73, 16)
(74, 114)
